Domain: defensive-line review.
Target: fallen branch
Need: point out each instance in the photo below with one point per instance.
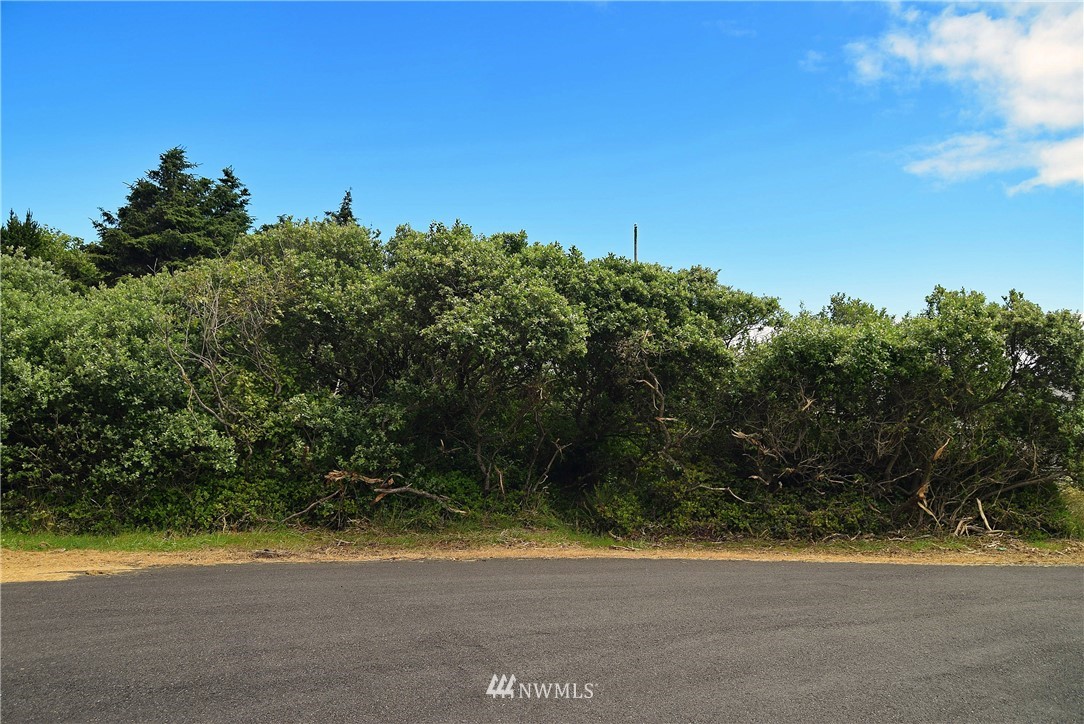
(722, 490)
(313, 505)
(929, 512)
(383, 487)
(444, 501)
(982, 513)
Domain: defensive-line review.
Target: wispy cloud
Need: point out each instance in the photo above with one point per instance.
(969, 155)
(813, 61)
(730, 28)
(1020, 64)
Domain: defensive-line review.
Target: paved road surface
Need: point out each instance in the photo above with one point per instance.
(657, 640)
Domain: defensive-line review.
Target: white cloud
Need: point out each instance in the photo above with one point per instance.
(1020, 64)
(869, 61)
(812, 62)
(969, 155)
(1059, 163)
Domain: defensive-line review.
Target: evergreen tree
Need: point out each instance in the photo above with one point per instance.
(27, 234)
(172, 216)
(345, 215)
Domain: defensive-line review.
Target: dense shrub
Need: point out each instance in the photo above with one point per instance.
(496, 376)
(968, 402)
(97, 431)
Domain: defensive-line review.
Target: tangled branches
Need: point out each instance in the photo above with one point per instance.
(383, 487)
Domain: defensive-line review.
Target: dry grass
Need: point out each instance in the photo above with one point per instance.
(53, 563)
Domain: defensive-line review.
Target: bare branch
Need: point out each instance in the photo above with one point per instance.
(383, 487)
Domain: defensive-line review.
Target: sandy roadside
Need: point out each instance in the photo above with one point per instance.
(60, 564)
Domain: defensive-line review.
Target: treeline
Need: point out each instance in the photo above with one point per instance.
(183, 372)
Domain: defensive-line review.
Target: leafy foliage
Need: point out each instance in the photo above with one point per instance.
(313, 371)
(928, 416)
(96, 428)
(67, 254)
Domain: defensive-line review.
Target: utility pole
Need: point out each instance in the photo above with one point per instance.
(635, 245)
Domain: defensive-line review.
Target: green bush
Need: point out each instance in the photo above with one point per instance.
(520, 380)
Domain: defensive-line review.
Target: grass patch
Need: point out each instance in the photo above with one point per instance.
(298, 539)
(157, 542)
(500, 532)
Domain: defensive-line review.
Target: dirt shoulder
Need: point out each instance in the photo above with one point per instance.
(63, 564)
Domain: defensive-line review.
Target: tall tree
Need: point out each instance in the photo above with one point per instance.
(345, 215)
(172, 216)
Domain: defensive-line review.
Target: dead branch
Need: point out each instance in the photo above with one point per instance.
(985, 522)
(313, 505)
(721, 490)
(925, 508)
(383, 487)
(384, 492)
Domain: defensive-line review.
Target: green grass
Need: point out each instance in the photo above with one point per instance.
(384, 539)
(157, 542)
(295, 539)
(538, 529)
(496, 530)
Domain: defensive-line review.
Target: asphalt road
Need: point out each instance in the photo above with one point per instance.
(656, 640)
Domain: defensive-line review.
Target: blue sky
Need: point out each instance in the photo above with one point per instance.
(801, 149)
